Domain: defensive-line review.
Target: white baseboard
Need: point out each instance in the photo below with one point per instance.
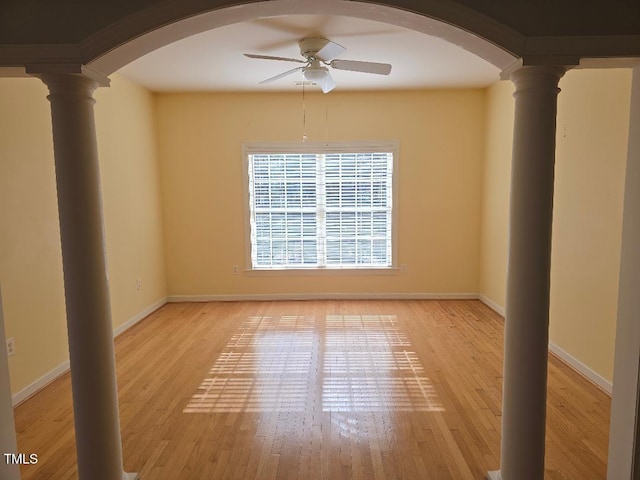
(143, 314)
(63, 368)
(39, 384)
(568, 359)
(322, 296)
(582, 369)
(492, 305)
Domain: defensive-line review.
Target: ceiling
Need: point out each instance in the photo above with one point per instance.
(214, 60)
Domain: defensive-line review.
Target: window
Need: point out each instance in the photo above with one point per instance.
(315, 206)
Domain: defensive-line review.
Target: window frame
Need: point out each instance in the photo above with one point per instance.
(254, 148)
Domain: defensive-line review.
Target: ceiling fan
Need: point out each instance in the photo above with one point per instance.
(320, 53)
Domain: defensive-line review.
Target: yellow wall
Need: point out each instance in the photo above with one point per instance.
(30, 258)
(441, 135)
(593, 127)
(184, 151)
(125, 123)
(495, 193)
(593, 121)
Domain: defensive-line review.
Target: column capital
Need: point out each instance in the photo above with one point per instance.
(40, 69)
(69, 85)
(69, 79)
(538, 76)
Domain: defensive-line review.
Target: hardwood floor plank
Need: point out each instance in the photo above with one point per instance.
(318, 390)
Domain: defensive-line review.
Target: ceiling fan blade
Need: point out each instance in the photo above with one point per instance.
(366, 67)
(277, 77)
(330, 51)
(327, 83)
(269, 57)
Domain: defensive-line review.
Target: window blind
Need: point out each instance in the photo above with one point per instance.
(320, 210)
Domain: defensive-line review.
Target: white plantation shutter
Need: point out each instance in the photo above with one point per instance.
(321, 210)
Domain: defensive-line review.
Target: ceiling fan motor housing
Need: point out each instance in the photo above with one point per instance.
(310, 46)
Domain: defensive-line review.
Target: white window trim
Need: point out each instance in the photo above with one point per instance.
(374, 146)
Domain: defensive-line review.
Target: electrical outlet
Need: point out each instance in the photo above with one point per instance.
(236, 269)
(403, 268)
(138, 284)
(11, 346)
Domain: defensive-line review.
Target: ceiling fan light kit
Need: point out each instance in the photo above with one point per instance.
(319, 54)
(315, 74)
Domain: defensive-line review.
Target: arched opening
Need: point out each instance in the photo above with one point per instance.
(127, 51)
(126, 42)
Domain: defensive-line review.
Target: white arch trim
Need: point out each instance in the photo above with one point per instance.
(113, 47)
(130, 50)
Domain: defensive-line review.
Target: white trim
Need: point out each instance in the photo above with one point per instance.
(492, 305)
(624, 430)
(562, 355)
(8, 441)
(355, 146)
(137, 34)
(39, 384)
(319, 148)
(582, 369)
(321, 296)
(143, 314)
(63, 368)
(306, 272)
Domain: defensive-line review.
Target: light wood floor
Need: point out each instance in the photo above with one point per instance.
(318, 390)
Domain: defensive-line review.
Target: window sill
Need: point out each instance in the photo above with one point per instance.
(312, 272)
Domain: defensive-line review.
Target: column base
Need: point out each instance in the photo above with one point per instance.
(494, 475)
(130, 476)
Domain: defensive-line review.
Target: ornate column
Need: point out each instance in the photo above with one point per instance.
(529, 264)
(93, 373)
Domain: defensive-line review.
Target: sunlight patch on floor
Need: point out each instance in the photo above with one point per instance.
(362, 363)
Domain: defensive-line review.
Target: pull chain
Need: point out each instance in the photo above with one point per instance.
(326, 118)
(304, 117)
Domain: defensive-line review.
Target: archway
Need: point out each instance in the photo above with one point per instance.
(109, 50)
(101, 457)
(126, 42)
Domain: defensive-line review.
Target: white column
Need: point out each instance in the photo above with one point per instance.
(93, 374)
(529, 264)
(8, 444)
(623, 434)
